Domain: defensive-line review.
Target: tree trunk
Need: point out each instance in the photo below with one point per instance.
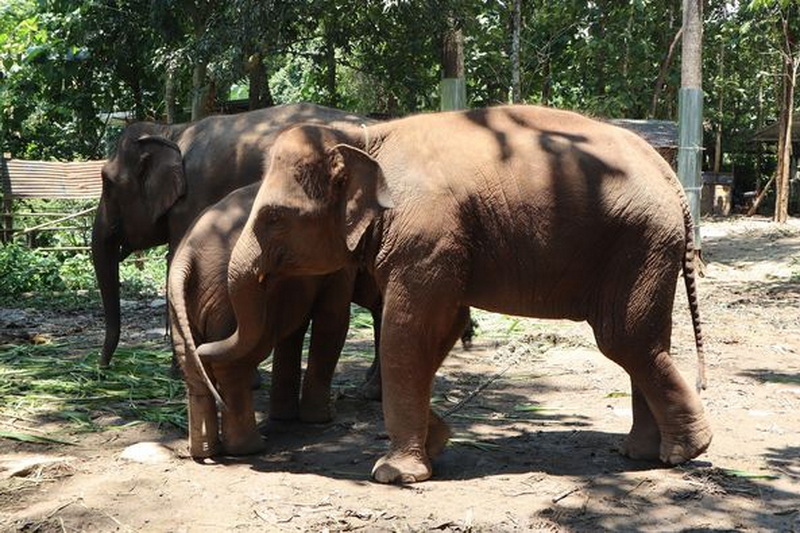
(330, 70)
(170, 90)
(718, 140)
(199, 90)
(662, 71)
(453, 85)
(260, 95)
(516, 93)
(791, 61)
(690, 122)
(785, 141)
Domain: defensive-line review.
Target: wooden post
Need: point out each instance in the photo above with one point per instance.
(8, 203)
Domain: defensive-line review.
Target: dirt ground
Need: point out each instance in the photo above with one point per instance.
(537, 415)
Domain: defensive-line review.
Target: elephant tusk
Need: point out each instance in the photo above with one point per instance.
(261, 277)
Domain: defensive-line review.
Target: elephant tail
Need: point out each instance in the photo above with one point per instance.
(176, 293)
(689, 278)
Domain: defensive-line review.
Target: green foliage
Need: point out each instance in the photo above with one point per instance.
(144, 274)
(23, 270)
(63, 63)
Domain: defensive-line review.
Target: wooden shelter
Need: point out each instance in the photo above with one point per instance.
(769, 135)
(661, 134)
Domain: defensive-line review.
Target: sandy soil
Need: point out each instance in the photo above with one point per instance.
(535, 445)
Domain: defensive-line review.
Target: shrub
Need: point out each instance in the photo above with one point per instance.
(24, 270)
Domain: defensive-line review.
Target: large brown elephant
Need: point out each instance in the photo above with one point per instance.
(522, 210)
(161, 177)
(200, 311)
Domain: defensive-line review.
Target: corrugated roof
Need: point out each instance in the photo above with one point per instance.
(659, 133)
(51, 179)
(770, 133)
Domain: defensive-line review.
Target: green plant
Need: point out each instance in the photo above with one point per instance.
(24, 270)
(77, 273)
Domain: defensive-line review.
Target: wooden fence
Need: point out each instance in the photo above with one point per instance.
(47, 180)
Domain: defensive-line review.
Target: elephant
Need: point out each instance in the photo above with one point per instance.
(523, 210)
(200, 311)
(162, 176)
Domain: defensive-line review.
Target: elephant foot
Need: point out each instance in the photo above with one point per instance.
(316, 412)
(402, 467)
(251, 444)
(438, 435)
(371, 389)
(691, 442)
(284, 410)
(204, 449)
(642, 446)
(257, 380)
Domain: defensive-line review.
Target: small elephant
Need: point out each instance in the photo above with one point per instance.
(518, 209)
(200, 311)
(162, 176)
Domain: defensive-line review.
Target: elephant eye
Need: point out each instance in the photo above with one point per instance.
(273, 217)
(274, 214)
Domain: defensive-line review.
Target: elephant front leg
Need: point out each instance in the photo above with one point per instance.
(411, 352)
(239, 433)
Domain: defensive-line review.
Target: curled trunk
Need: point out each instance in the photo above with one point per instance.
(248, 296)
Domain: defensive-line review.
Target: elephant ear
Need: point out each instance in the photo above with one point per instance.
(366, 194)
(163, 177)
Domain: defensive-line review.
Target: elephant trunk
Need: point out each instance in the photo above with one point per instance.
(106, 242)
(248, 296)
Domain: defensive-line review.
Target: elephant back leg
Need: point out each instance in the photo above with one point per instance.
(239, 433)
(633, 325)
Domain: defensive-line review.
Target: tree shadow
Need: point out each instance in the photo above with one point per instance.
(745, 248)
(765, 375)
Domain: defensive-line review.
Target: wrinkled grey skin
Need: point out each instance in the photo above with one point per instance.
(200, 311)
(162, 177)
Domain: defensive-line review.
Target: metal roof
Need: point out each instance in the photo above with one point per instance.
(770, 133)
(659, 133)
(50, 179)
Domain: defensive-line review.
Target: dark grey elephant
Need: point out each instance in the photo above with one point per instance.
(162, 177)
(200, 311)
(519, 209)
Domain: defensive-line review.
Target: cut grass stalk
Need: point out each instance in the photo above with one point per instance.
(53, 382)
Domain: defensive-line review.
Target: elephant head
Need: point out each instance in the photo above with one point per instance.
(314, 205)
(141, 182)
